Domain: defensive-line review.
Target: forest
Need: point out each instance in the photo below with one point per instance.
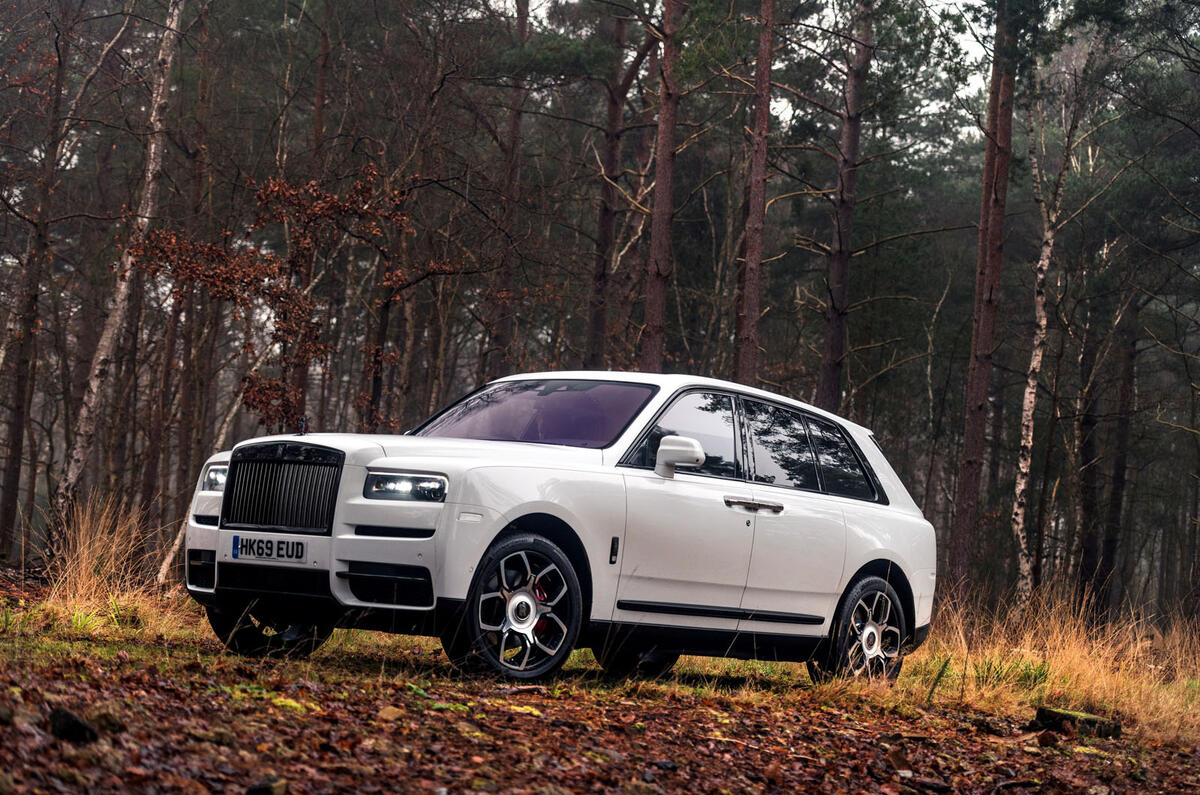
(973, 228)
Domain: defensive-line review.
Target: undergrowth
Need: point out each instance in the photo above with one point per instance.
(1050, 651)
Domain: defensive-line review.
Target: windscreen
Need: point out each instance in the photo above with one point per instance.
(572, 413)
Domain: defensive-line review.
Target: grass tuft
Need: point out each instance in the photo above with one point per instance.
(1055, 652)
(1008, 660)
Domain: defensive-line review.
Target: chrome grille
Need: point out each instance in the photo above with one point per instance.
(282, 486)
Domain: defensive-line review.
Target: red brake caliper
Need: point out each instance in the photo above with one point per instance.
(540, 593)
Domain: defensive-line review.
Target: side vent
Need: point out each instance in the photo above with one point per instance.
(202, 567)
(389, 583)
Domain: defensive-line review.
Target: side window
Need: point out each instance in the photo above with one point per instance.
(782, 455)
(706, 417)
(840, 470)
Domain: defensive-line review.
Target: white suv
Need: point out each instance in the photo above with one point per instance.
(641, 515)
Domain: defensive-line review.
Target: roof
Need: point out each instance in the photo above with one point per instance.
(673, 381)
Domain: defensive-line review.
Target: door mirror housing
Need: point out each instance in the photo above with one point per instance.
(677, 451)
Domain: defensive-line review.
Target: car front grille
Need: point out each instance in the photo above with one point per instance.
(287, 487)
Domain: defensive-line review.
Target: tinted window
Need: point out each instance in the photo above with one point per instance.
(705, 417)
(781, 453)
(840, 470)
(574, 413)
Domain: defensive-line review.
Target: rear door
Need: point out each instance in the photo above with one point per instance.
(688, 538)
(800, 533)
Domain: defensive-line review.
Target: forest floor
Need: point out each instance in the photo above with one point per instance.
(142, 697)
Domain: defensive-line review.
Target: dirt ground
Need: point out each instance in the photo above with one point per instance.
(136, 709)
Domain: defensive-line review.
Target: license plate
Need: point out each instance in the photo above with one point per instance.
(283, 550)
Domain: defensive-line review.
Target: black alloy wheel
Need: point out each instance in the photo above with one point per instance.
(867, 638)
(523, 613)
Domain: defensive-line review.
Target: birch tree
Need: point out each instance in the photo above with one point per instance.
(88, 417)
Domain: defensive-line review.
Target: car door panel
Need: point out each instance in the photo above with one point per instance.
(799, 552)
(686, 552)
(688, 538)
(796, 564)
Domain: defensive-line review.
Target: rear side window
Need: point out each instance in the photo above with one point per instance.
(840, 470)
(782, 455)
(706, 417)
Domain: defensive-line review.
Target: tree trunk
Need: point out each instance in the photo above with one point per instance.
(1028, 406)
(746, 357)
(1086, 465)
(86, 421)
(658, 266)
(1108, 574)
(829, 378)
(24, 321)
(498, 359)
(616, 93)
(997, 158)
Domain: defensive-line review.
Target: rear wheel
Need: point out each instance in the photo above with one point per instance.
(254, 629)
(621, 660)
(523, 613)
(867, 637)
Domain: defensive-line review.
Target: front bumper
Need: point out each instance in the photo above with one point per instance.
(376, 555)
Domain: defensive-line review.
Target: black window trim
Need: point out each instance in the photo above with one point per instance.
(739, 446)
(820, 489)
(879, 495)
(744, 448)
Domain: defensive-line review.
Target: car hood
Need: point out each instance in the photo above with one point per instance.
(484, 451)
(363, 449)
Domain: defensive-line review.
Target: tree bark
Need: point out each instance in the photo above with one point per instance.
(1086, 465)
(833, 356)
(616, 93)
(997, 159)
(1108, 574)
(498, 359)
(1049, 208)
(746, 356)
(86, 421)
(24, 322)
(659, 267)
(1028, 407)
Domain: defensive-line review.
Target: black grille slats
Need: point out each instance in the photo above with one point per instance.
(282, 486)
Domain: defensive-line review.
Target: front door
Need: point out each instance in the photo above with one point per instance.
(687, 539)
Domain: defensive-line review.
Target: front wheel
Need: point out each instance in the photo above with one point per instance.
(867, 636)
(253, 629)
(523, 613)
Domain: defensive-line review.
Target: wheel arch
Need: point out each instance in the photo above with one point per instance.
(893, 574)
(564, 536)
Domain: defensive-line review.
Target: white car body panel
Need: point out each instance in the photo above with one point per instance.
(677, 541)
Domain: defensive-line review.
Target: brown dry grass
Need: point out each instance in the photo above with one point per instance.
(1054, 652)
(106, 550)
(1007, 661)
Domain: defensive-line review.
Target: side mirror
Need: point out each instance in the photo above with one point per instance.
(677, 451)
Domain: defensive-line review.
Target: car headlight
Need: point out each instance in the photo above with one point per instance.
(214, 478)
(417, 488)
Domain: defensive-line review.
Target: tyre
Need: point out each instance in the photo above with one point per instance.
(253, 629)
(867, 636)
(622, 660)
(523, 612)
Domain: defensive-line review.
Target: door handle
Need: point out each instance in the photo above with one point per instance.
(741, 502)
(752, 505)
